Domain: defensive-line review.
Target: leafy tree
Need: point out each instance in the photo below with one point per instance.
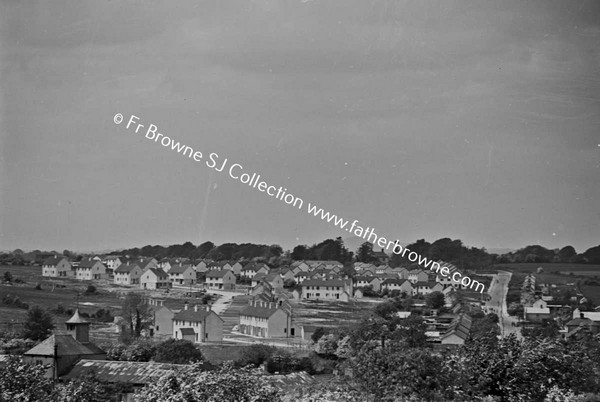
(177, 351)
(8, 277)
(38, 324)
(23, 382)
(567, 254)
(255, 355)
(299, 253)
(365, 252)
(344, 348)
(224, 385)
(411, 331)
(137, 316)
(435, 300)
(84, 389)
(140, 350)
(326, 346)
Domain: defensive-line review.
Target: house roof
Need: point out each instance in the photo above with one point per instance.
(262, 312)
(65, 345)
(87, 263)
(144, 262)
(326, 282)
(217, 274)
(461, 327)
(54, 260)
(159, 273)
(191, 315)
(179, 269)
(537, 310)
(395, 281)
(255, 266)
(126, 268)
(123, 371)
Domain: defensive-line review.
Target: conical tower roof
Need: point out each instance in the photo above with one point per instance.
(76, 319)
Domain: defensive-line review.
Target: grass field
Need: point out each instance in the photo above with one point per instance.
(548, 267)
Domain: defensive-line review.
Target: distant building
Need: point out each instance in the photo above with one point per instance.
(458, 331)
(127, 274)
(90, 269)
(182, 275)
(112, 262)
(163, 321)
(199, 324)
(154, 278)
(272, 278)
(57, 267)
(221, 280)
(329, 289)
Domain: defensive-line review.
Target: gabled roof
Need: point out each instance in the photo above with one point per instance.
(217, 274)
(324, 282)
(191, 315)
(126, 268)
(158, 272)
(255, 266)
(461, 327)
(65, 345)
(88, 263)
(179, 269)
(395, 281)
(53, 261)
(262, 312)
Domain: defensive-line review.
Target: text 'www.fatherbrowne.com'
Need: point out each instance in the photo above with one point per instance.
(237, 172)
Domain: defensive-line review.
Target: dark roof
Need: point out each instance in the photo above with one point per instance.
(122, 371)
(179, 269)
(76, 319)
(52, 261)
(87, 263)
(159, 272)
(144, 262)
(191, 315)
(217, 274)
(65, 345)
(126, 268)
(396, 281)
(255, 266)
(461, 326)
(327, 282)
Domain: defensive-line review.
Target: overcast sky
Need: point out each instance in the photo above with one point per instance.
(463, 119)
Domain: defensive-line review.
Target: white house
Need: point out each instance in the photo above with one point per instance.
(182, 275)
(154, 278)
(199, 324)
(222, 280)
(127, 274)
(329, 289)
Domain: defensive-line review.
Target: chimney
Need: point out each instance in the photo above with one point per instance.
(195, 308)
(581, 315)
(185, 305)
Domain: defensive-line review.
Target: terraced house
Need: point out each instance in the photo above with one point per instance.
(328, 289)
(222, 280)
(266, 320)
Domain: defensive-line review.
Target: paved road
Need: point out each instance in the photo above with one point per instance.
(497, 303)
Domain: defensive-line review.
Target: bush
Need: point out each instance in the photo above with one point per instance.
(8, 277)
(114, 352)
(38, 286)
(141, 350)
(91, 289)
(319, 332)
(255, 355)
(103, 315)
(177, 351)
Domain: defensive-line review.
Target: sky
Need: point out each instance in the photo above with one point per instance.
(462, 119)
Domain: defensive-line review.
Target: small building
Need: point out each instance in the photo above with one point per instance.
(127, 274)
(254, 268)
(221, 280)
(90, 269)
(266, 320)
(199, 324)
(112, 262)
(401, 285)
(57, 267)
(364, 281)
(417, 275)
(60, 352)
(155, 278)
(163, 321)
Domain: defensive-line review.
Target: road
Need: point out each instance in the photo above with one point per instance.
(497, 304)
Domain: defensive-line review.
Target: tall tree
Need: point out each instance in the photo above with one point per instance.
(137, 315)
(365, 252)
(177, 351)
(38, 325)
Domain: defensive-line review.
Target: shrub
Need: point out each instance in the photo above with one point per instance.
(255, 355)
(91, 289)
(38, 286)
